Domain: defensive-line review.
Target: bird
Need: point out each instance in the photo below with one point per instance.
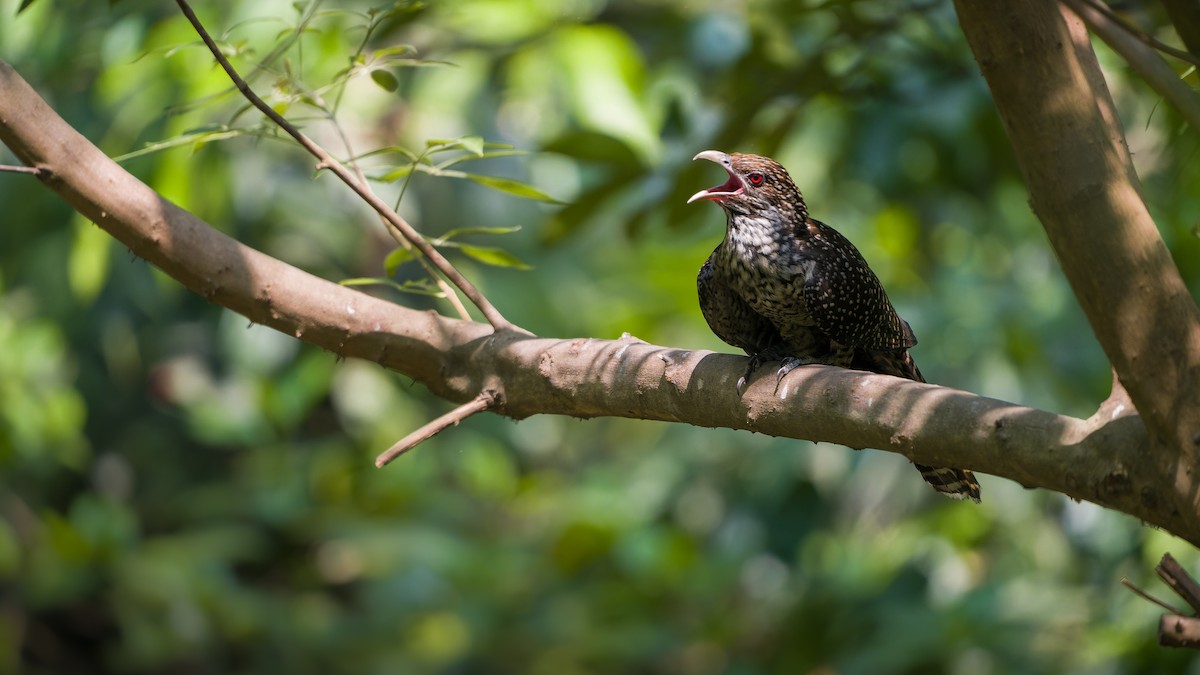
(783, 286)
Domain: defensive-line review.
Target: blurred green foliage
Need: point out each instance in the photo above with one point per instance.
(182, 492)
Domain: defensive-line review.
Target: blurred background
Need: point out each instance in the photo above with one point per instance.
(183, 492)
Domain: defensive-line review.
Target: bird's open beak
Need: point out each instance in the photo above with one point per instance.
(725, 190)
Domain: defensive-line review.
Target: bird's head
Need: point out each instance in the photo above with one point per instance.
(756, 185)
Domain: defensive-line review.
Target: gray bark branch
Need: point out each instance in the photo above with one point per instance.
(1099, 459)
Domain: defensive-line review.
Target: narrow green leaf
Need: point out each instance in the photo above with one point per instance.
(421, 287)
(395, 174)
(392, 52)
(472, 144)
(486, 155)
(391, 149)
(465, 231)
(385, 80)
(396, 258)
(194, 139)
(512, 187)
(493, 256)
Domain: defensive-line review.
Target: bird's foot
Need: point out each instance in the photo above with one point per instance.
(756, 360)
(788, 364)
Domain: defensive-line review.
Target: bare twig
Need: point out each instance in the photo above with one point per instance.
(327, 161)
(478, 404)
(1157, 73)
(9, 168)
(1140, 35)
(1161, 603)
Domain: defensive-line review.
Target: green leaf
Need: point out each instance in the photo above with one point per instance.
(396, 258)
(512, 187)
(385, 80)
(420, 287)
(472, 144)
(392, 52)
(395, 174)
(466, 231)
(493, 256)
(194, 138)
(486, 155)
(391, 149)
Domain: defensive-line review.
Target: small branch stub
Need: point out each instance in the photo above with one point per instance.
(1179, 631)
(1175, 629)
(478, 404)
(1180, 581)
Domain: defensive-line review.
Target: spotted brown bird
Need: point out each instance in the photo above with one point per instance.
(785, 287)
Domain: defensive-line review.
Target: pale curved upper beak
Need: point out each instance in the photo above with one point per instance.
(713, 156)
(728, 188)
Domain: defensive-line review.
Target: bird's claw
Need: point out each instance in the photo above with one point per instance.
(744, 380)
(741, 385)
(787, 365)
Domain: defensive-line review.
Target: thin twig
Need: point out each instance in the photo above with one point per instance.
(327, 161)
(1142, 58)
(478, 404)
(446, 288)
(10, 168)
(1142, 36)
(1161, 603)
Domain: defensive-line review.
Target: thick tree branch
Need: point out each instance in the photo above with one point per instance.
(1098, 459)
(1051, 96)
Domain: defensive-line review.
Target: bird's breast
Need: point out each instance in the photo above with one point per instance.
(768, 273)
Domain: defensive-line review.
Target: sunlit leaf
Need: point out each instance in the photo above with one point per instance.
(390, 149)
(195, 139)
(486, 155)
(493, 256)
(395, 174)
(472, 144)
(512, 187)
(421, 287)
(392, 52)
(466, 231)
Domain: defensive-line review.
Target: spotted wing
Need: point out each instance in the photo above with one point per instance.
(846, 299)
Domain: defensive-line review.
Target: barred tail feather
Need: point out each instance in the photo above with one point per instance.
(954, 483)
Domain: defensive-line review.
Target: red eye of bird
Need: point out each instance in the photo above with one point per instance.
(756, 178)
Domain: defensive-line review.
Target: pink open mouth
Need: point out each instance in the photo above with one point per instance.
(732, 186)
